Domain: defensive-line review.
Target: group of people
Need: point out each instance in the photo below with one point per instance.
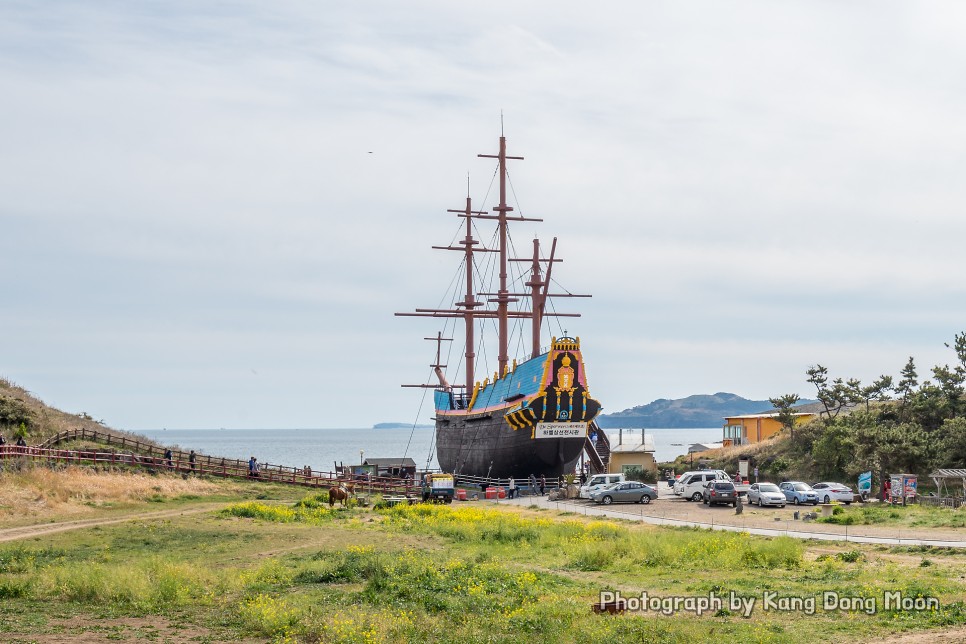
(21, 441)
(513, 491)
(169, 459)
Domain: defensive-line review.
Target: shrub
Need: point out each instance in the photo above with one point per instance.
(638, 474)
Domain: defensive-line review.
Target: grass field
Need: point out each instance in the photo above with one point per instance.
(273, 569)
(913, 516)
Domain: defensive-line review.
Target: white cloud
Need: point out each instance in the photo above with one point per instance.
(746, 190)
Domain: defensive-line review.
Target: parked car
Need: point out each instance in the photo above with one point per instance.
(691, 484)
(766, 494)
(717, 492)
(598, 482)
(828, 492)
(627, 491)
(799, 492)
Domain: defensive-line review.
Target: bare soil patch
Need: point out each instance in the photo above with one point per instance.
(88, 630)
(954, 635)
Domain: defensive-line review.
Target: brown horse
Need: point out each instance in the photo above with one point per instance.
(341, 493)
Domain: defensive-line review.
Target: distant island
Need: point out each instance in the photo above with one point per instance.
(701, 410)
(399, 426)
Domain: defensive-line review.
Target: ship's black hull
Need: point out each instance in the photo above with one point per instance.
(485, 445)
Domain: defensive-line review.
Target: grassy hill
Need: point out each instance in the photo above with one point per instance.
(41, 421)
(702, 410)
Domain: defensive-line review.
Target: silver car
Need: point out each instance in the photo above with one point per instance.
(766, 494)
(628, 491)
(799, 492)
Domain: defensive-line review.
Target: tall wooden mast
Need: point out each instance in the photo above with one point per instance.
(503, 298)
(469, 302)
(467, 309)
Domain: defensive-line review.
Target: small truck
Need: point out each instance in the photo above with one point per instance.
(439, 488)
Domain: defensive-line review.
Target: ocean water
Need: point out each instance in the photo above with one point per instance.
(321, 448)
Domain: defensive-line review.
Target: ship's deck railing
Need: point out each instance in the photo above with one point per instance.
(484, 482)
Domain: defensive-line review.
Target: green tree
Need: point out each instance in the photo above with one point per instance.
(959, 346)
(894, 449)
(950, 382)
(928, 407)
(878, 391)
(818, 376)
(952, 441)
(784, 404)
(907, 385)
(834, 451)
(14, 412)
(833, 397)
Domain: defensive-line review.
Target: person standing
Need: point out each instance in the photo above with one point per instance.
(21, 442)
(533, 484)
(543, 484)
(3, 441)
(756, 473)
(191, 460)
(513, 488)
(168, 456)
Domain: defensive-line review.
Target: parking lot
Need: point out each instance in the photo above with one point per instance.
(670, 506)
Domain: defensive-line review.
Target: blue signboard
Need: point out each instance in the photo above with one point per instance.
(865, 482)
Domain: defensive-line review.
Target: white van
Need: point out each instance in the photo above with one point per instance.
(598, 481)
(691, 484)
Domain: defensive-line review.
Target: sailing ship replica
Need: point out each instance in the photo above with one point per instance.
(526, 419)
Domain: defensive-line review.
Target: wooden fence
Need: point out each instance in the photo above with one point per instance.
(152, 457)
(951, 502)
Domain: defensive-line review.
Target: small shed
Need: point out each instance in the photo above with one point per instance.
(400, 468)
(950, 487)
(704, 447)
(632, 449)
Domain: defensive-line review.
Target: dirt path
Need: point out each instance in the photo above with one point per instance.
(954, 635)
(31, 531)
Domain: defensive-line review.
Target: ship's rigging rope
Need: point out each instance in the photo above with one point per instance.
(484, 278)
(412, 431)
(485, 275)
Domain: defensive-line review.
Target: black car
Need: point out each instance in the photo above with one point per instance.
(720, 492)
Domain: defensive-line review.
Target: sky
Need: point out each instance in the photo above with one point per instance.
(210, 212)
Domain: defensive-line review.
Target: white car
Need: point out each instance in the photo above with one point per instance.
(828, 492)
(597, 482)
(691, 484)
(766, 494)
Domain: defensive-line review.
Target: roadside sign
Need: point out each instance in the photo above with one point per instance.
(865, 482)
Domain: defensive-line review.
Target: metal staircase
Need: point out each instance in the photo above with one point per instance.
(598, 457)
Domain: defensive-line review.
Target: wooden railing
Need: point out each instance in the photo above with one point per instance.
(951, 502)
(152, 457)
(521, 483)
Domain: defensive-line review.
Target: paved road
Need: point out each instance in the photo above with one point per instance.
(662, 513)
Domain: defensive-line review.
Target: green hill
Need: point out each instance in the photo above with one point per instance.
(40, 420)
(701, 410)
